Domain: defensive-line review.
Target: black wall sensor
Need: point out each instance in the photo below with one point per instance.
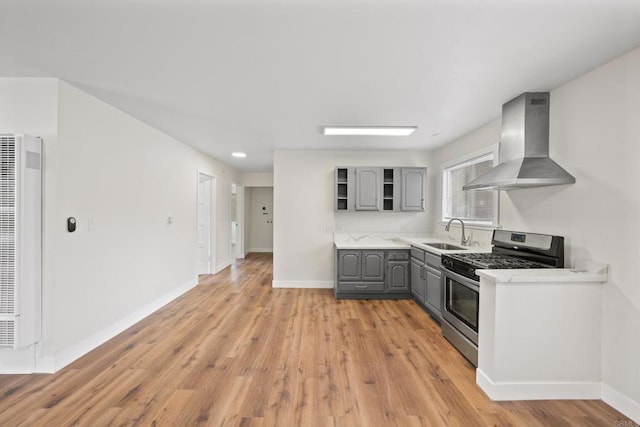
(71, 224)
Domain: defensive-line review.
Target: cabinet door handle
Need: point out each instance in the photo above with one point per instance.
(361, 286)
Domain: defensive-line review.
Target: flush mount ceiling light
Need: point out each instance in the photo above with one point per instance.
(369, 130)
(239, 154)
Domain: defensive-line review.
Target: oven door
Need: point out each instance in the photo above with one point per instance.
(461, 304)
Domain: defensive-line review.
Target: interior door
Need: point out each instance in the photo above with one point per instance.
(204, 224)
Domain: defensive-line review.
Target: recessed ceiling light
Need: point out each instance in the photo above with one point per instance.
(369, 130)
(239, 154)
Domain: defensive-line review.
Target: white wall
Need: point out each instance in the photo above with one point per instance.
(305, 217)
(595, 135)
(260, 235)
(29, 106)
(102, 164)
(256, 179)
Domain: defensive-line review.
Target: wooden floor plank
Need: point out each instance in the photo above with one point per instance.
(235, 351)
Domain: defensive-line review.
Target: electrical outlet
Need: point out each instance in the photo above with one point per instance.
(91, 223)
(403, 228)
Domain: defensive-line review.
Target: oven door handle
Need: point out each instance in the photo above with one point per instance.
(465, 281)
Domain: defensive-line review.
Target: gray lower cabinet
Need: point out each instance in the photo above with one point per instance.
(426, 283)
(349, 265)
(434, 290)
(418, 282)
(372, 266)
(372, 274)
(398, 276)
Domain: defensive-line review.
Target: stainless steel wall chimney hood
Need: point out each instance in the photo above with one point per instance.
(524, 148)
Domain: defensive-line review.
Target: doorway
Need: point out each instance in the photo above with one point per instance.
(237, 221)
(205, 223)
(259, 219)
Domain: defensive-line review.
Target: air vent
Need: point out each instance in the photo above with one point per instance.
(7, 332)
(20, 240)
(7, 224)
(538, 101)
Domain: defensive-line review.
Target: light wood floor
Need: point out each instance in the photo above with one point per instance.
(234, 351)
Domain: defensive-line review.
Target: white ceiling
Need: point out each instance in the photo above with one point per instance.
(254, 76)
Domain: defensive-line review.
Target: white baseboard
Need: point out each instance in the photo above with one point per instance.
(66, 356)
(622, 403)
(539, 390)
(20, 361)
(260, 250)
(45, 365)
(222, 266)
(303, 284)
(560, 391)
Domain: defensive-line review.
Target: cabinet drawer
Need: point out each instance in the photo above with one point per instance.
(360, 287)
(398, 255)
(417, 254)
(432, 260)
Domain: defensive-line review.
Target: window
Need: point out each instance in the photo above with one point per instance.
(478, 207)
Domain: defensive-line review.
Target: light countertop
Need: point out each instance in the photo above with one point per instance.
(368, 241)
(393, 241)
(541, 275)
(421, 242)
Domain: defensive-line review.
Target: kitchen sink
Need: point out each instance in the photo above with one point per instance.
(445, 246)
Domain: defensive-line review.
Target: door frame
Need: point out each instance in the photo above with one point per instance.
(212, 220)
(239, 249)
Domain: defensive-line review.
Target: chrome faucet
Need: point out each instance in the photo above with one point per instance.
(464, 241)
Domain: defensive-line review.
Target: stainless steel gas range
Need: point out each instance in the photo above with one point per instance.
(461, 296)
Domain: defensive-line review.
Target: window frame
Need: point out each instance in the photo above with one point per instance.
(461, 162)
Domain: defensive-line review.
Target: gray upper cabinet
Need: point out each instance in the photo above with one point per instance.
(412, 189)
(344, 189)
(368, 189)
(388, 189)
